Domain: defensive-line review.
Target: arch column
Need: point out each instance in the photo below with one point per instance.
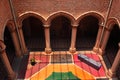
(47, 38)
(15, 41)
(73, 39)
(97, 44)
(115, 65)
(24, 48)
(11, 73)
(104, 41)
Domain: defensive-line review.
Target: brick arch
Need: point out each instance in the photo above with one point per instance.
(61, 13)
(29, 14)
(111, 22)
(94, 14)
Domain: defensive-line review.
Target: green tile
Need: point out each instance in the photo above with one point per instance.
(62, 76)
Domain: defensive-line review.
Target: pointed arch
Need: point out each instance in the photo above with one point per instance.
(61, 13)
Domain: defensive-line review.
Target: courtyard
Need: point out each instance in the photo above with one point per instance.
(59, 65)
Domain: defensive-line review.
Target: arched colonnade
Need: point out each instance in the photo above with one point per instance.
(99, 46)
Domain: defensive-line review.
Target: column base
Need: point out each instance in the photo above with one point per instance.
(101, 52)
(72, 50)
(111, 74)
(95, 49)
(48, 50)
(12, 76)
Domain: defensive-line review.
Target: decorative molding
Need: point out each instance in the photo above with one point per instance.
(99, 16)
(61, 13)
(28, 14)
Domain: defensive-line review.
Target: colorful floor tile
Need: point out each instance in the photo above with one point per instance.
(60, 66)
(62, 76)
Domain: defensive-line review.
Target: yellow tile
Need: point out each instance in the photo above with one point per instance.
(84, 74)
(49, 70)
(41, 75)
(80, 73)
(71, 68)
(64, 68)
(56, 68)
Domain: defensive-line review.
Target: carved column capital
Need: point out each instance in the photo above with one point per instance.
(107, 29)
(12, 30)
(11, 26)
(74, 25)
(119, 45)
(46, 25)
(2, 46)
(110, 73)
(101, 26)
(19, 27)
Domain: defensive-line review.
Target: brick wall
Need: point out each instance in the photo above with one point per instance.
(5, 15)
(47, 7)
(115, 9)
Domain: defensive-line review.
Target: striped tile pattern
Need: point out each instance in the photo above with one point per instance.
(46, 64)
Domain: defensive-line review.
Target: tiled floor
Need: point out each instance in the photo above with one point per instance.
(60, 65)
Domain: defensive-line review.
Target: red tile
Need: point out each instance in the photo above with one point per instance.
(28, 73)
(94, 72)
(101, 72)
(85, 67)
(42, 65)
(88, 68)
(95, 57)
(35, 69)
(37, 57)
(44, 58)
(75, 57)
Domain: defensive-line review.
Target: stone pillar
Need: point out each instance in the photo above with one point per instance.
(4, 58)
(97, 44)
(15, 41)
(104, 41)
(73, 39)
(115, 65)
(47, 39)
(24, 48)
